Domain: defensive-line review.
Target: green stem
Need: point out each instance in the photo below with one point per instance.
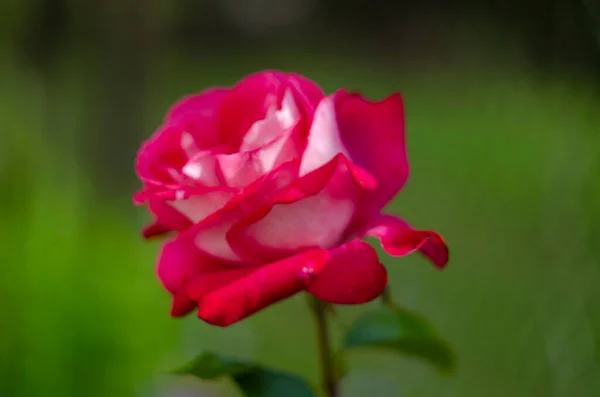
(329, 378)
(386, 297)
(388, 301)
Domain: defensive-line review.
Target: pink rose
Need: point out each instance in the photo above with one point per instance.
(271, 186)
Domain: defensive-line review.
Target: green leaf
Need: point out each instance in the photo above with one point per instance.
(209, 366)
(404, 331)
(253, 380)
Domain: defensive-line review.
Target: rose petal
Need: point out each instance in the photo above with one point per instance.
(197, 208)
(204, 169)
(210, 234)
(314, 211)
(307, 93)
(179, 260)
(232, 295)
(276, 122)
(253, 97)
(241, 169)
(324, 141)
(399, 239)
(167, 220)
(204, 103)
(182, 305)
(161, 157)
(190, 127)
(353, 275)
(198, 115)
(373, 135)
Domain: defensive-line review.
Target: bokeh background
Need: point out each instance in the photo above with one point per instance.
(503, 113)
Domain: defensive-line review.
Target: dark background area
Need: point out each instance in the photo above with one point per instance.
(503, 118)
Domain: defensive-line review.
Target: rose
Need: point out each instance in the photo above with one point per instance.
(270, 186)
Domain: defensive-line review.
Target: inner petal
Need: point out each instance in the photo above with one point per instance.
(202, 168)
(277, 122)
(196, 208)
(314, 221)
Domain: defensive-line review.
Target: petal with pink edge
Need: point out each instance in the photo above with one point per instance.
(314, 211)
(204, 103)
(399, 239)
(260, 93)
(276, 122)
(353, 275)
(324, 141)
(161, 157)
(198, 116)
(373, 135)
(197, 208)
(241, 169)
(168, 219)
(209, 235)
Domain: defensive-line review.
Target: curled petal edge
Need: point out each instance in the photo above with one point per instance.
(399, 239)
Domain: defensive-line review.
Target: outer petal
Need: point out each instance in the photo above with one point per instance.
(191, 126)
(178, 263)
(167, 219)
(170, 161)
(199, 116)
(204, 103)
(353, 275)
(399, 239)
(161, 158)
(313, 211)
(373, 135)
(228, 296)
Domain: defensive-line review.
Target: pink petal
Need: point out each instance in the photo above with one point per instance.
(182, 305)
(276, 123)
(204, 103)
(155, 229)
(254, 96)
(307, 93)
(399, 239)
(198, 115)
(203, 169)
(161, 157)
(324, 141)
(177, 210)
(373, 135)
(170, 162)
(190, 127)
(229, 296)
(167, 219)
(209, 235)
(179, 261)
(241, 169)
(198, 207)
(353, 275)
(314, 211)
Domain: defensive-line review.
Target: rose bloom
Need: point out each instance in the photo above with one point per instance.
(270, 187)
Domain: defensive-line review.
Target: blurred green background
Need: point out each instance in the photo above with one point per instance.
(503, 113)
